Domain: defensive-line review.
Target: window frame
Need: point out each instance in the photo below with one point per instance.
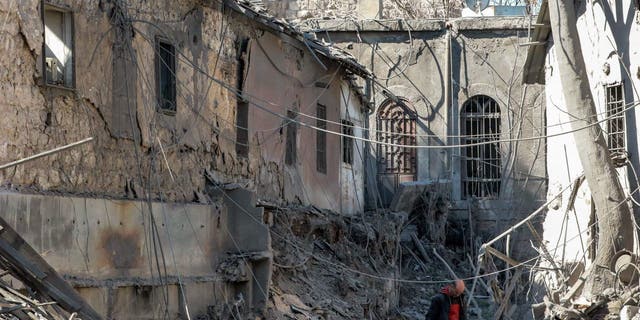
(347, 141)
(393, 114)
(621, 117)
(321, 138)
(291, 139)
(159, 41)
(483, 181)
(242, 129)
(67, 13)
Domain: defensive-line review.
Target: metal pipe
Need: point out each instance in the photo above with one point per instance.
(44, 154)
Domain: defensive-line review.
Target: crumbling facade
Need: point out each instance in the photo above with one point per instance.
(452, 92)
(189, 106)
(606, 31)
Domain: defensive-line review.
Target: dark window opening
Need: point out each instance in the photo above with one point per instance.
(58, 47)
(166, 76)
(347, 142)
(242, 49)
(615, 118)
(396, 129)
(242, 130)
(481, 161)
(242, 112)
(321, 139)
(291, 140)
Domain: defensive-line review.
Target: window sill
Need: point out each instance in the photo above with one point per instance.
(166, 112)
(57, 86)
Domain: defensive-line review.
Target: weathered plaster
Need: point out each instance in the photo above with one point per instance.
(485, 59)
(607, 34)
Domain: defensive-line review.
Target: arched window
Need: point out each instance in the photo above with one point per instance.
(481, 160)
(397, 126)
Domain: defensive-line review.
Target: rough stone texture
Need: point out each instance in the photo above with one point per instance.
(361, 9)
(38, 117)
(134, 144)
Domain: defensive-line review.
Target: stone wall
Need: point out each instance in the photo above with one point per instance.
(482, 58)
(138, 152)
(39, 117)
(361, 9)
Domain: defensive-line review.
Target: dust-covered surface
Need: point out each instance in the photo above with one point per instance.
(328, 266)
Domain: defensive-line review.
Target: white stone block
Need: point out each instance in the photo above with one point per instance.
(629, 313)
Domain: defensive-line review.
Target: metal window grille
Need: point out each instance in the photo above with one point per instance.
(397, 126)
(615, 118)
(291, 152)
(321, 139)
(481, 164)
(166, 76)
(347, 142)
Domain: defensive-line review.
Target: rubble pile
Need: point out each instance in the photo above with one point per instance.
(621, 301)
(331, 266)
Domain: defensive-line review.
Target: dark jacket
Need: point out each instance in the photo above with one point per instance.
(439, 309)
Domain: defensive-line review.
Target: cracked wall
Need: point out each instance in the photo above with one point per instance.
(485, 59)
(178, 162)
(141, 153)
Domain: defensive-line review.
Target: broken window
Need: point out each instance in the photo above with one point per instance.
(166, 76)
(481, 161)
(347, 142)
(321, 139)
(58, 47)
(615, 118)
(291, 154)
(397, 128)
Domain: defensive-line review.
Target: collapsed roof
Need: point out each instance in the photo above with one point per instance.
(254, 10)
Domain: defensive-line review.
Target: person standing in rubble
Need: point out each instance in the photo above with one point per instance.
(449, 303)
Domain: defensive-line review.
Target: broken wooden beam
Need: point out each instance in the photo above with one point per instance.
(30, 268)
(502, 256)
(507, 294)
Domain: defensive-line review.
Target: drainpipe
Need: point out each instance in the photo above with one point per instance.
(447, 101)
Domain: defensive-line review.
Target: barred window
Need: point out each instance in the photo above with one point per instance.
(481, 161)
(397, 128)
(321, 139)
(615, 118)
(347, 142)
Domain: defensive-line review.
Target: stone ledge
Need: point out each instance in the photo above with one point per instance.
(483, 23)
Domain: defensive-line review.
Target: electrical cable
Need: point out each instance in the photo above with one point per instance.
(226, 86)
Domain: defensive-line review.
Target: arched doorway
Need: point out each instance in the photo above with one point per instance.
(396, 128)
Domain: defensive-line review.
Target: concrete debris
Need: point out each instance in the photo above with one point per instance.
(323, 264)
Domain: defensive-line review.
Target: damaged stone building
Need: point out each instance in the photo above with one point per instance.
(608, 34)
(194, 112)
(452, 91)
(196, 120)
